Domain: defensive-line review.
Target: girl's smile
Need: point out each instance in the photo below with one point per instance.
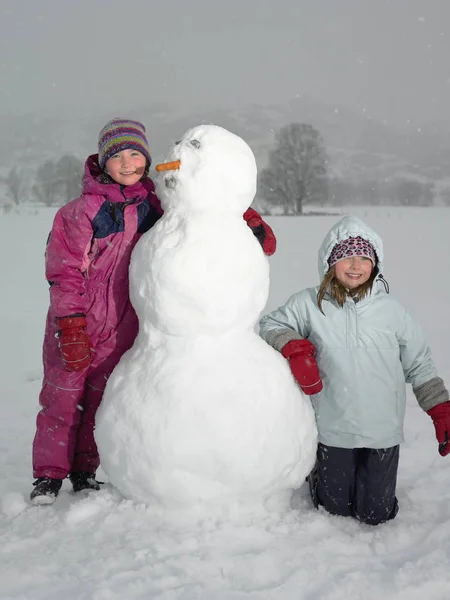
(354, 271)
(126, 167)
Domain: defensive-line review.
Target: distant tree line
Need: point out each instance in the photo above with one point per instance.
(296, 175)
(397, 191)
(54, 184)
(295, 178)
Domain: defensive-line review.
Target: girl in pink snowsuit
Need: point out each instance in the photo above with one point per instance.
(91, 321)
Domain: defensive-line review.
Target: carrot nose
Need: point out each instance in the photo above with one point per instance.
(174, 165)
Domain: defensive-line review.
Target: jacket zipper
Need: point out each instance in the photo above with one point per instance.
(347, 345)
(355, 307)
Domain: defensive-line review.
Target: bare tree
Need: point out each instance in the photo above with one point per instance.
(15, 185)
(297, 170)
(45, 189)
(412, 193)
(69, 171)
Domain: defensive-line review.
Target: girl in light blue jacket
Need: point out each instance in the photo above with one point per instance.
(352, 347)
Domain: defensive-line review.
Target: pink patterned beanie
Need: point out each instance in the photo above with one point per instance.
(354, 246)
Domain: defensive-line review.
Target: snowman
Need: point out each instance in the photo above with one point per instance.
(201, 411)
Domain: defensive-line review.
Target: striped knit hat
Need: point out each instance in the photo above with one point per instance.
(121, 134)
(354, 246)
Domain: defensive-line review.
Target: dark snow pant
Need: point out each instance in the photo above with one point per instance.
(356, 482)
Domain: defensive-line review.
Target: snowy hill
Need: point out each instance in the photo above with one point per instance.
(360, 148)
(101, 547)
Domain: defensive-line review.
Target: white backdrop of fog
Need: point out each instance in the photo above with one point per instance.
(388, 60)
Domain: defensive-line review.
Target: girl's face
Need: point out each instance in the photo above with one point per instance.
(126, 167)
(353, 271)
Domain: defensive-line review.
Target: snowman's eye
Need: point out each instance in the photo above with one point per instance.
(195, 144)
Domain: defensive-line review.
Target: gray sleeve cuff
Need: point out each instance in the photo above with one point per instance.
(431, 393)
(278, 338)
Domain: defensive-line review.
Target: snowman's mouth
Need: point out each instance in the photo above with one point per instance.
(170, 182)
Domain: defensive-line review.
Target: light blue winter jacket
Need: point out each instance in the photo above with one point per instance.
(365, 352)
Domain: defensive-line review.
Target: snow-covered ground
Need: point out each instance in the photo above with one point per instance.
(101, 547)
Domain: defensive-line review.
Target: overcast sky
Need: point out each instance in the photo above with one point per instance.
(387, 58)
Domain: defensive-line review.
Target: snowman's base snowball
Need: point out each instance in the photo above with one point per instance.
(222, 423)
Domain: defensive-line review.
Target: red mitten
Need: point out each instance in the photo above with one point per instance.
(441, 421)
(261, 230)
(74, 342)
(300, 354)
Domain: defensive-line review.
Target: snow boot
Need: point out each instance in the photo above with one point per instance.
(45, 490)
(84, 481)
(313, 481)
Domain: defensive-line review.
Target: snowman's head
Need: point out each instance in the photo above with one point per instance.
(210, 169)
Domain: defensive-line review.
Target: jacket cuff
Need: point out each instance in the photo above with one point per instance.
(431, 393)
(71, 322)
(278, 338)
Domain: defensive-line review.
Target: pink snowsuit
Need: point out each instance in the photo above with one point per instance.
(87, 260)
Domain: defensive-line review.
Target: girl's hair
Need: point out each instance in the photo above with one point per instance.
(330, 284)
